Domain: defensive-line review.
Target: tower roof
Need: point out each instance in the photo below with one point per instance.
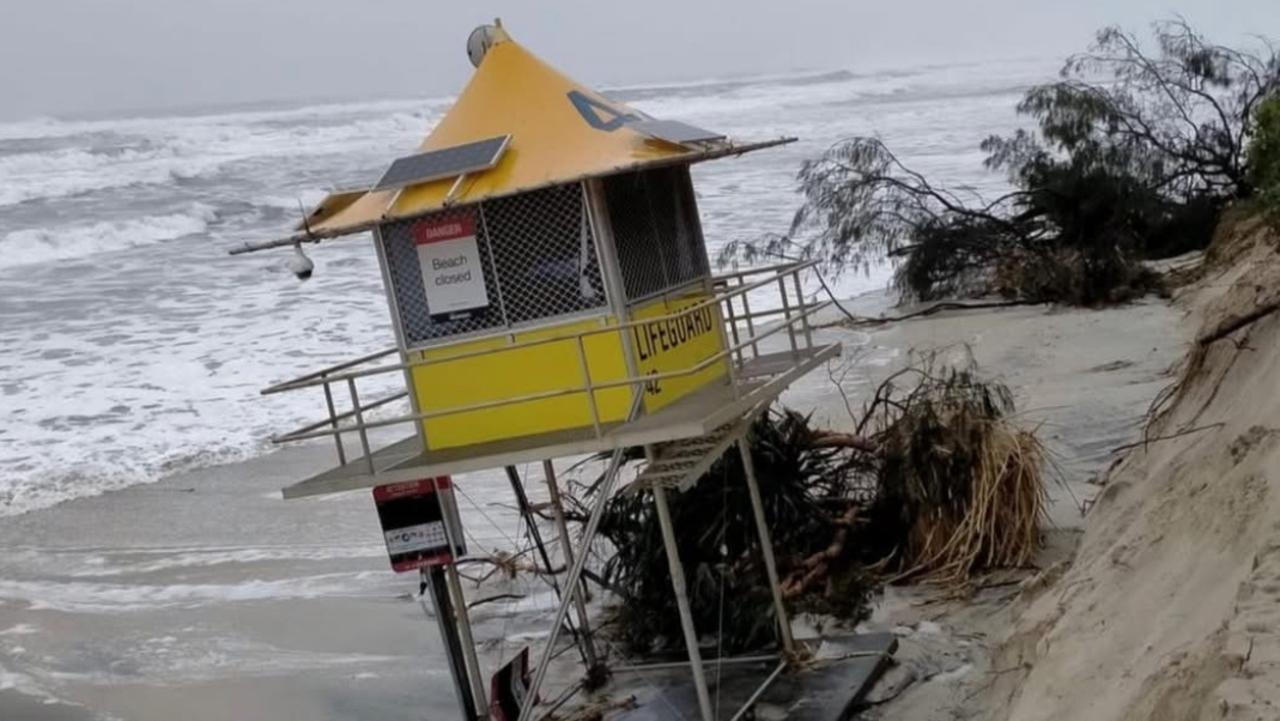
(559, 131)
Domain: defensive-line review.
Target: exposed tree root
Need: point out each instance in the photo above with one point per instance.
(1233, 323)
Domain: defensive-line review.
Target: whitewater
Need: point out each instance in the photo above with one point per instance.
(132, 346)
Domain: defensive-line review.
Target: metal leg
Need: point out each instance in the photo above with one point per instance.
(682, 602)
(604, 493)
(468, 643)
(751, 324)
(804, 315)
(577, 590)
(575, 573)
(333, 423)
(359, 414)
(730, 363)
(531, 522)
(749, 705)
(786, 310)
(766, 544)
(461, 620)
(433, 581)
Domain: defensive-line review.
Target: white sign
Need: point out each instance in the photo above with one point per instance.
(452, 275)
(422, 537)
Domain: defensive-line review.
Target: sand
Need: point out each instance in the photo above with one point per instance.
(206, 597)
(1168, 610)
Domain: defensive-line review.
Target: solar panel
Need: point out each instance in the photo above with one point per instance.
(444, 163)
(674, 131)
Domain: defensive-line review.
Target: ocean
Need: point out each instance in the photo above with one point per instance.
(135, 347)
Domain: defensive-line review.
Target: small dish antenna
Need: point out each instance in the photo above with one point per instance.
(479, 42)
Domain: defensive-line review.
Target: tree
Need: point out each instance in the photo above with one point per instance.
(1177, 120)
(1264, 156)
(1133, 153)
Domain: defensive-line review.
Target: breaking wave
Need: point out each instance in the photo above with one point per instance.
(41, 245)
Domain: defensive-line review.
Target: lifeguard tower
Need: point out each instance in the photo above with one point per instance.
(552, 297)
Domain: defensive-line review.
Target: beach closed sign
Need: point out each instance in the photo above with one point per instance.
(449, 256)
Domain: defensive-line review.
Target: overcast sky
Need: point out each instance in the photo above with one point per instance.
(60, 57)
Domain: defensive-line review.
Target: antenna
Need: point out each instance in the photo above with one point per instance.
(306, 222)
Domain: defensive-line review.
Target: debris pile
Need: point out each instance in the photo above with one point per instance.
(935, 483)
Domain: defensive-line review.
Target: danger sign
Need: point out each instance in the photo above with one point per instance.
(413, 524)
(449, 256)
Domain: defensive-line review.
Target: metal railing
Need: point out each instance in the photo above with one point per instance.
(741, 343)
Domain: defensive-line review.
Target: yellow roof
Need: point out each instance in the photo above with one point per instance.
(560, 131)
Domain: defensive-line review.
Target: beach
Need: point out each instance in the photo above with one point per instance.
(151, 570)
(206, 595)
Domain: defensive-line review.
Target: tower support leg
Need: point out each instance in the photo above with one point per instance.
(460, 619)
(433, 580)
(766, 545)
(578, 590)
(463, 621)
(682, 602)
(603, 494)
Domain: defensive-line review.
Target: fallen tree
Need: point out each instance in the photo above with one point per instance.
(934, 483)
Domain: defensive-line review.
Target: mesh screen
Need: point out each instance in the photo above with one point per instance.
(539, 260)
(545, 253)
(656, 230)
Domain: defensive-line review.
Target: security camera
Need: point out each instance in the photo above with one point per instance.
(300, 265)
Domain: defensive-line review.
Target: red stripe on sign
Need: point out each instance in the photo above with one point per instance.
(412, 488)
(437, 230)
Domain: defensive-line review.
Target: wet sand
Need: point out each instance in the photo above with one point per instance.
(207, 597)
(1083, 378)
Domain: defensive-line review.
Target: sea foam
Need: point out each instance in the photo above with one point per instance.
(40, 245)
(147, 358)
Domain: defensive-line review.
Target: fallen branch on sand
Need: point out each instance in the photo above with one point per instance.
(1169, 437)
(854, 321)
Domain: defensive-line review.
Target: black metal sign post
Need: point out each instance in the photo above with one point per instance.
(433, 580)
(423, 533)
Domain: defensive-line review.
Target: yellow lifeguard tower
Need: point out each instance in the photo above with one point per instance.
(551, 296)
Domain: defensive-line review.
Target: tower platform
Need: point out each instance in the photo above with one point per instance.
(760, 379)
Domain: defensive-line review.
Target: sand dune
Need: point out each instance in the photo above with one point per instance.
(1170, 609)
